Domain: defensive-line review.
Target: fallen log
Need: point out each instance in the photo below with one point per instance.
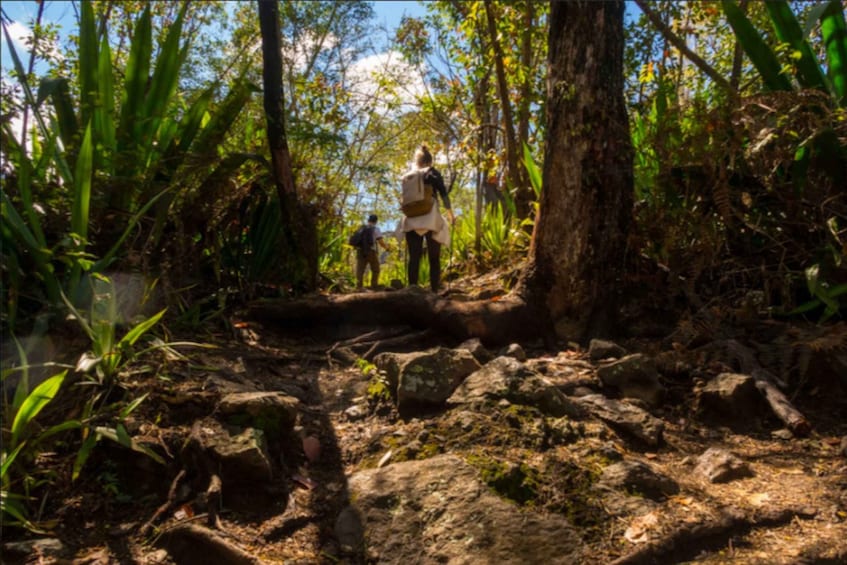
(766, 384)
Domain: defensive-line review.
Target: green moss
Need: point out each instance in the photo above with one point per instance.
(428, 450)
(515, 482)
(567, 489)
(378, 390)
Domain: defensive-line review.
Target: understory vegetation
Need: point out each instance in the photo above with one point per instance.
(139, 204)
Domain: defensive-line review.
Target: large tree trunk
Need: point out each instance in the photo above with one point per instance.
(299, 250)
(577, 262)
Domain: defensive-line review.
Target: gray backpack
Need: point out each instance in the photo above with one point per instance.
(417, 195)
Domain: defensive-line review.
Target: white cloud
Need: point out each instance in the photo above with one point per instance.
(364, 76)
(21, 36)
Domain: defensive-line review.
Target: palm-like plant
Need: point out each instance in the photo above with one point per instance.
(139, 152)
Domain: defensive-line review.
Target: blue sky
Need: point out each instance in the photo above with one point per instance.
(62, 12)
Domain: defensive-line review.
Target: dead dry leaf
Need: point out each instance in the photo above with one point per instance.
(639, 530)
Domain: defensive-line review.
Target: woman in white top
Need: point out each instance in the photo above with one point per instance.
(431, 226)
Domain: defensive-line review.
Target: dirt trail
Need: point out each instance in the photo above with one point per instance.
(791, 509)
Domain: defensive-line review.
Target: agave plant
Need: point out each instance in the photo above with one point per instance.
(141, 151)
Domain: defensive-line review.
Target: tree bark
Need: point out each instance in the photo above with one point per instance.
(299, 250)
(577, 260)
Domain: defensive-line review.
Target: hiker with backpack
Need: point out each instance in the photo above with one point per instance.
(422, 188)
(365, 240)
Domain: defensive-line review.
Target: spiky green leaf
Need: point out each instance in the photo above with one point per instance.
(760, 54)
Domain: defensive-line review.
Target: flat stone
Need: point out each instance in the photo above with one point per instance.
(635, 376)
(636, 477)
(625, 417)
(506, 378)
(599, 349)
(438, 511)
(720, 466)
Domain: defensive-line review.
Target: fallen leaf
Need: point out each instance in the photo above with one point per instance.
(759, 498)
(639, 530)
(184, 512)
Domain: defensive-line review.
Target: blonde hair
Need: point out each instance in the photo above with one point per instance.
(423, 158)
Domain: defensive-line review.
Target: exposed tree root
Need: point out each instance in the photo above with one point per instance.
(495, 322)
(191, 544)
(689, 540)
(166, 505)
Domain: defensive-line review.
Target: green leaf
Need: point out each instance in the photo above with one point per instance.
(88, 60)
(135, 84)
(104, 123)
(130, 408)
(813, 15)
(84, 453)
(122, 438)
(34, 403)
(132, 335)
(59, 92)
(82, 186)
(788, 30)
(533, 170)
(834, 31)
(9, 458)
(22, 390)
(760, 54)
(164, 81)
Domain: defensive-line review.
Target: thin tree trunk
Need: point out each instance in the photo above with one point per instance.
(523, 194)
(577, 263)
(273, 99)
(737, 55)
(299, 252)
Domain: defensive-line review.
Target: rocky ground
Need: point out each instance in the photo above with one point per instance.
(318, 447)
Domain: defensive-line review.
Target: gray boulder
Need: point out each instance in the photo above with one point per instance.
(505, 378)
(438, 511)
(635, 376)
(720, 466)
(272, 412)
(625, 417)
(425, 378)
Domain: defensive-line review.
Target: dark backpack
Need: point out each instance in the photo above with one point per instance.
(363, 238)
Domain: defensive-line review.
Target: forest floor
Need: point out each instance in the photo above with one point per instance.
(790, 507)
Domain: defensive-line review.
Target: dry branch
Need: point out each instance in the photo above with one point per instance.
(766, 383)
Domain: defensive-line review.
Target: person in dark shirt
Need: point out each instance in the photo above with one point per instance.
(368, 255)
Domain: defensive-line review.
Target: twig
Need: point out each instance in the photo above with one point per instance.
(167, 504)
